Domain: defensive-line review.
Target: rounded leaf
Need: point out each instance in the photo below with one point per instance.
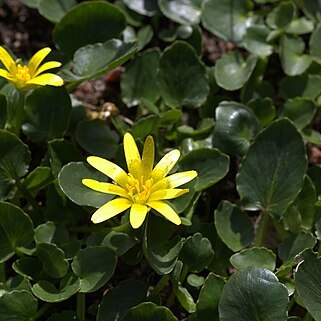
(182, 77)
(233, 226)
(94, 266)
(272, 173)
(147, 8)
(254, 294)
(70, 178)
(54, 10)
(87, 23)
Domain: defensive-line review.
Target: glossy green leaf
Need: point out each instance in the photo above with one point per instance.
(96, 137)
(147, 8)
(204, 129)
(315, 44)
(14, 162)
(294, 61)
(308, 86)
(119, 242)
(254, 294)
(16, 231)
(236, 127)
(263, 109)
(300, 26)
(227, 19)
(29, 267)
(95, 60)
(48, 112)
(255, 40)
(53, 259)
(232, 71)
(51, 232)
(87, 23)
(259, 257)
(300, 110)
(294, 245)
(70, 178)
(307, 280)
(211, 166)
(182, 77)
(161, 251)
(49, 292)
(281, 16)
(149, 311)
(139, 80)
(185, 12)
(120, 299)
(17, 306)
(195, 280)
(94, 266)
(145, 126)
(271, 175)
(233, 226)
(196, 253)
(209, 298)
(54, 10)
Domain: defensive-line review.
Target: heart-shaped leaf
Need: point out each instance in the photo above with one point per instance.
(182, 77)
(282, 15)
(232, 71)
(16, 231)
(94, 266)
(254, 294)
(48, 111)
(272, 173)
(87, 23)
(211, 166)
(70, 178)
(227, 19)
(233, 226)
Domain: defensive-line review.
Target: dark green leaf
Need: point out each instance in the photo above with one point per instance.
(263, 109)
(254, 294)
(272, 173)
(51, 232)
(144, 7)
(282, 15)
(3, 111)
(233, 226)
(54, 10)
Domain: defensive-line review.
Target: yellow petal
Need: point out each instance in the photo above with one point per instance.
(46, 66)
(166, 211)
(137, 215)
(165, 165)
(108, 168)
(166, 194)
(110, 209)
(7, 60)
(174, 180)
(104, 187)
(132, 155)
(148, 157)
(5, 74)
(46, 79)
(36, 59)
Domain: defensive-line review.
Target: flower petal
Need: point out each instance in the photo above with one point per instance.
(108, 168)
(36, 60)
(46, 79)
(110, 209)
(104, 187)
(174, 180)
(166, 194)
(137, 215)
(7, 60)
(46, 66)
(165, 165)
(5, 74)
(133, 159)
(148, 157)
(166, 211)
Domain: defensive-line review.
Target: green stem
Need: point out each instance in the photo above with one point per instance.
(170, 299)
(20, 114)
(3, 277)
(160, 285)
(41, 311)
(81, 308)
(264, 220)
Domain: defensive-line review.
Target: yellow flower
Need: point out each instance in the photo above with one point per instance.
(28, 77)
(143, 188)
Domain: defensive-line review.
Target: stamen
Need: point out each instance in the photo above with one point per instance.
(22, 73)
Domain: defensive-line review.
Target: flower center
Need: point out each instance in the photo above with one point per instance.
(22, 73)
(138, 189)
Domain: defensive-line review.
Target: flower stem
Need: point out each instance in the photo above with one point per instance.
(160, 285)
(41, 311)
(80, 307)
(264, 220)
(20, 114)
